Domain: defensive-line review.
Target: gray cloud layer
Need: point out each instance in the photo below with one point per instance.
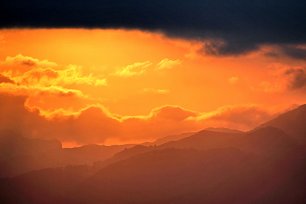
(240, 26)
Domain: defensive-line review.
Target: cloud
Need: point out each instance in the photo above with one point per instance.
(14, 115)
(91, 125)
(4, 79)
(298, 52)
(44, 84)
(95, 124)
(139, 68)
(172, 113)
(296, 78)
(168, 64)
(293, 51)
(285, 78)
(155, 91)
(26, 70)
(27, 62)
(49, 100)
(244, 117)
(22, 90)
(134, 69)
(73, 75)
(230, 27)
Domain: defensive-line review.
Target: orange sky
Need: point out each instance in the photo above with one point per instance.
(139, 86)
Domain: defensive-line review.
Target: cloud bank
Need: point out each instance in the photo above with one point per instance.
(227, 27)
(95, 124)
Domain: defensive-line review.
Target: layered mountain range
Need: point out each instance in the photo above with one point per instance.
(215, 165)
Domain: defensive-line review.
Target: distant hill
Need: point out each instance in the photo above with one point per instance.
(225, 175)
(171, 138)
(263, 166)
(123, 155)
(224, 130)
(88, 154)
(46, 186)
(176, 137)
(165, 142)
(20, 154)
(261, 139)
(202, 140)
(292, 122)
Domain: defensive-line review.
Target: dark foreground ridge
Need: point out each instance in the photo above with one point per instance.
(266, 165)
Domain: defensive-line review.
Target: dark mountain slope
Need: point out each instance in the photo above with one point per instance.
(263, 166)
(189, 176)
(263, 140)
(19, 154)
(292, 122)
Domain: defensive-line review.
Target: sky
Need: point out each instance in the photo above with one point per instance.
(114, 72)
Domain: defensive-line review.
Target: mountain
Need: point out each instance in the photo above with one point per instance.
(262, 166)
(204, 139)
(171, 138)
(224, 130)
(259, 141)
(88, 154)
(163, 143)
(161, 176)
(292, 122)
(123, 155)
(46, 186)
(19, 154)
(266, 141)
(225, 175)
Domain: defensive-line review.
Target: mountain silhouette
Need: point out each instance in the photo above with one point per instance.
(224, 130)
(169, 138)
(224, 175)
(19, 154)
(265, 139)
(176, 137)
(262, 166)
(292, 122)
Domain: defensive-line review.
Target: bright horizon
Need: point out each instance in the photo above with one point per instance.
(140, 85)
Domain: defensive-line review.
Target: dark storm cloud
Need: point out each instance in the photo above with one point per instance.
(236, 26)
(297, 78)
(293, 51)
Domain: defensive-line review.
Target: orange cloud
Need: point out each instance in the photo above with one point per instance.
(48, 100)
(243, 117)
(140, 68)
(172, 113)
(44, 84)
(134, 69)
(26, 70)
(155, 91)
(64, 101)
(95, 124)
(168, 63)
(4, 79)
(285, 78)
(25, 62)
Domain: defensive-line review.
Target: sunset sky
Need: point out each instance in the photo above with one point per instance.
(84, 83)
